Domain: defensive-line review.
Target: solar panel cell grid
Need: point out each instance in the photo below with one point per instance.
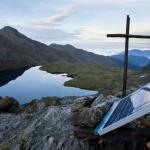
(126, 110)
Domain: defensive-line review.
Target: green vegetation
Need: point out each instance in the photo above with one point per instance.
(107, 80)
(9, 104)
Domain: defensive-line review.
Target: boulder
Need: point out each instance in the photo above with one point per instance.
(9, 104)
(82, 102)
(112, 99)
(86, 115)
(98, 100)
(90, 116)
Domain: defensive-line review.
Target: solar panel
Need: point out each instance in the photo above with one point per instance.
(126, 110)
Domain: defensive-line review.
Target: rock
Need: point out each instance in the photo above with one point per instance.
(82, 102)
(90, 116)
(119, 94)
(101, 99)
(50, 127)
(112, 99)
(68, 100)
(9, 104)
(36, 105)
(48, 101)
(87, 117)
(98, 100)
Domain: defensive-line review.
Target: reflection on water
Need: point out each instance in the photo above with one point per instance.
(7, 76)
(35, 83)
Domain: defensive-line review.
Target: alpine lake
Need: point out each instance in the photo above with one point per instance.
(32, 83)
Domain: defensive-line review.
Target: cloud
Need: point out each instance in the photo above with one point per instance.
(56, 19)
(49, 35)
(84, 23)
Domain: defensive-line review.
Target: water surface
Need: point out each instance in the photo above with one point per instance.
(35, 84)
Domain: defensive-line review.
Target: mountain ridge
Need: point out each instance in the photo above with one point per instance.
(82, 56)
(138, 52)
(139, 61)
(136, 57)
(18, 50)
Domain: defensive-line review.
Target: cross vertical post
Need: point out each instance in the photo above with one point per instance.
(125, 74)
(127, 36)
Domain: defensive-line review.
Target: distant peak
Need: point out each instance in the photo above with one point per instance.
(8, 28)
(69, 45)
(7, 31)
(66, 45)
(53, 44)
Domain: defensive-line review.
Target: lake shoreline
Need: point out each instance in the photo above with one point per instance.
(35, 83)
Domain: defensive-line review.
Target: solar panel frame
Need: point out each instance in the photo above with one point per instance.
(138, 112)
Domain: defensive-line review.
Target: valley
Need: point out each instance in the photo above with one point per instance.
(89, 71)
(106, 80)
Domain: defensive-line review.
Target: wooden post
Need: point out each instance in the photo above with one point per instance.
(127, 36)
(126, 57)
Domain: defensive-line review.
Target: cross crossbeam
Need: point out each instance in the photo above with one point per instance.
(127, 36)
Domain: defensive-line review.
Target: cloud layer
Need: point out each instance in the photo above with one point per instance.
(82, 23)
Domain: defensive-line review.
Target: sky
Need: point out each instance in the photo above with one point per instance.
(82, 23)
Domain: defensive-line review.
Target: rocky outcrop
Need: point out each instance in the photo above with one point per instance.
(9, 104)
(49, 126)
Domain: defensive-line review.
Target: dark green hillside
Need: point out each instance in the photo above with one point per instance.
(18, 51)
(74, 55)
(104, 79)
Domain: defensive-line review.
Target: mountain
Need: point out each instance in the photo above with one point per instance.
(137, 52)
(75, 55)
(18, 51)
(139, 61)
(137, 58)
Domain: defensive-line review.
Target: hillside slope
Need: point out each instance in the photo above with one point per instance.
(138, 52)
(74, 55)
(139, 61)
(18, 51)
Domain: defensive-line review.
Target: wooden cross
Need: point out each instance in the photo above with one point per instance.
(127, 36)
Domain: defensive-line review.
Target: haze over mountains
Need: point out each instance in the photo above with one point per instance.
(137, 52)
(139, 61)
(137, 57)
(19, 51)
